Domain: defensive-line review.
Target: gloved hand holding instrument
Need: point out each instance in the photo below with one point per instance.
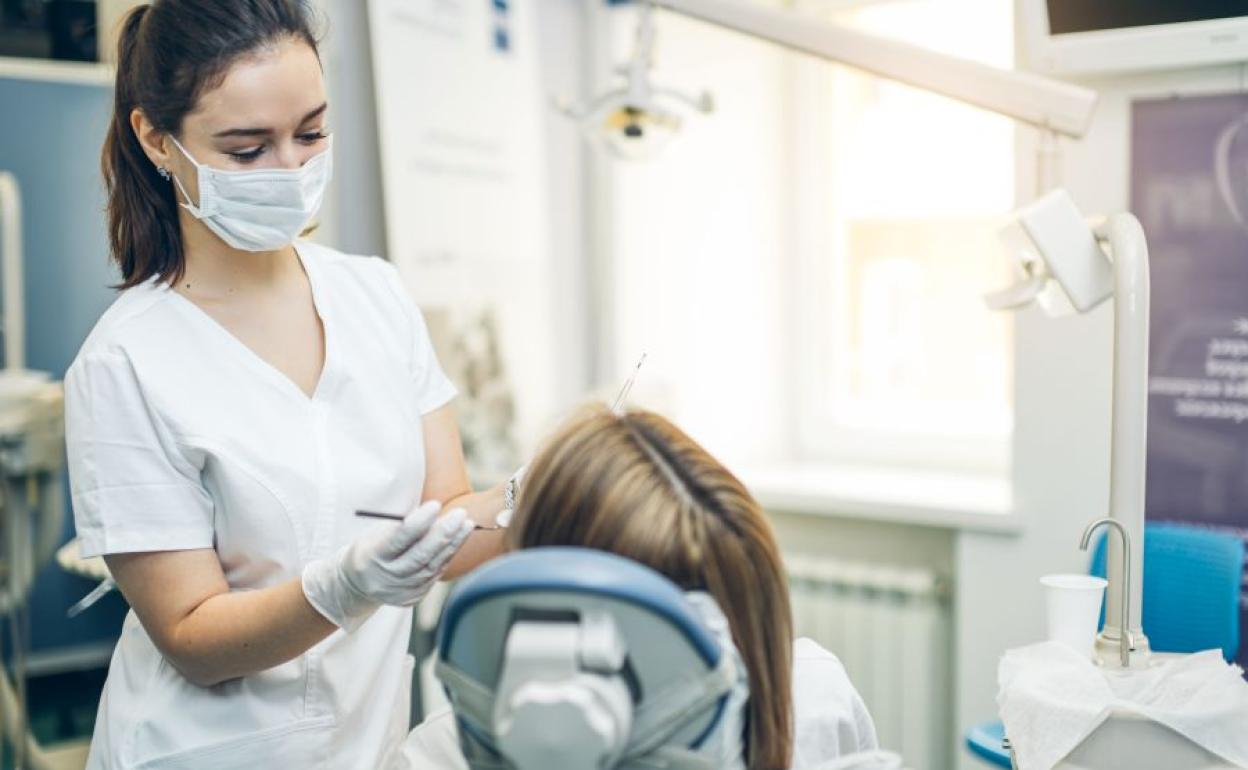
(393, 564)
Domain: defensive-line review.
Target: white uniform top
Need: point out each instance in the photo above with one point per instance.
(830, 719)
(180, 437)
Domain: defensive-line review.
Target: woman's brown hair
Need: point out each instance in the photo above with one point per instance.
(636, 485)
(170, 52)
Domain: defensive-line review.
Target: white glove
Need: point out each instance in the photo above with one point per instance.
(389, 564)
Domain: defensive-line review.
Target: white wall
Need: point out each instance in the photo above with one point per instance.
(353, 219)
(1061, 445)
(565, 58)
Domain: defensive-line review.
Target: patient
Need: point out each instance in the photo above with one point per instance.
(637, 486)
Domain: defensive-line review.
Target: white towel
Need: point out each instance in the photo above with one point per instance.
(1051, 699)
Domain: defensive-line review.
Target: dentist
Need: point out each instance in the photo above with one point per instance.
(242, 397)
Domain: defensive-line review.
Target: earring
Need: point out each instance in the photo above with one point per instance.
(164, 172)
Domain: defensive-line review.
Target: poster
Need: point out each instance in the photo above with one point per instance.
(460, 111)
(1189, 188)
(458, 100)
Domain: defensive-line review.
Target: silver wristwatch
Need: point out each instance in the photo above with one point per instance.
(509, 493)
(510, 490)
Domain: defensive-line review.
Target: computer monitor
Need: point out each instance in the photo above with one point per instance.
(1108, 36)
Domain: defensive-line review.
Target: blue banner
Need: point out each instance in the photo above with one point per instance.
(1189, 188)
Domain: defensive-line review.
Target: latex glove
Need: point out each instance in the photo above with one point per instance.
(393, 564)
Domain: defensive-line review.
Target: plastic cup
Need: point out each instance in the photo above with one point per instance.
(1074, 610)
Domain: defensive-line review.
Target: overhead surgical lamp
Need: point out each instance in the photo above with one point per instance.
(637, 118)
(1068, 263)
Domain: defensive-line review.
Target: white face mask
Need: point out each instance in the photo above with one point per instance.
(259, 210)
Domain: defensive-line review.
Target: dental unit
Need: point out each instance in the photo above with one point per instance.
(32, 454)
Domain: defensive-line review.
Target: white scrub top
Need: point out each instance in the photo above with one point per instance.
(180, 437)
(830, 719)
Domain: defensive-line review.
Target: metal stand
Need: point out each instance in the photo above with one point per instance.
(1128, 455)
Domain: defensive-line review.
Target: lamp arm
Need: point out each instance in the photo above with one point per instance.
(1042, 102)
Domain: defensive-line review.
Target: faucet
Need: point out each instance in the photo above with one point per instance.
(1126, 641)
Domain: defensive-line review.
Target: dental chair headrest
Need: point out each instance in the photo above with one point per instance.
(578, 658)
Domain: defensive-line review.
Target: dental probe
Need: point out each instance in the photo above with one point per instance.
(618, 406)
(401, 517)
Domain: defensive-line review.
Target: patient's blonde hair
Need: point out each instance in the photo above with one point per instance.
(635, 485)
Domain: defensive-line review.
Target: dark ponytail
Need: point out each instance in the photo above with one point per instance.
(170, 52)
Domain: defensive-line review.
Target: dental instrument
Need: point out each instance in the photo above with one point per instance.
(618, 406)
(401, 517)
(97, 593)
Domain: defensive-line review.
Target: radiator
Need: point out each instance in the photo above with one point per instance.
(890, 626)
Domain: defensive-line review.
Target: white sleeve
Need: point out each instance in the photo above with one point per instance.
(132, 488)
(830, 718)
(433, 388)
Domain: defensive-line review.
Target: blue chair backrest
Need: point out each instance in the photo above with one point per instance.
(1192, 584)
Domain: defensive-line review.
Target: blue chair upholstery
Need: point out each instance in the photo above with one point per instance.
(1192, 584)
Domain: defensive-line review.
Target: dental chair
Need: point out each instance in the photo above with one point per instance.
(574, 659)
(578, 659)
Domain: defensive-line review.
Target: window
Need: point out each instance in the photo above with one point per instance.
(823, 242)
(910, 367)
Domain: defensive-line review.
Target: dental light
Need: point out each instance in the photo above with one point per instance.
(1061, 263)
(1065, 264)
(635, 120)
